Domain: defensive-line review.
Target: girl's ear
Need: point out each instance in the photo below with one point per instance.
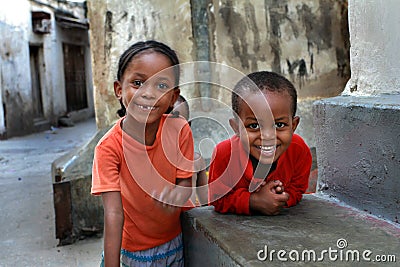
(295, 122)
(118, 90)
(175, 96)
(234, 125)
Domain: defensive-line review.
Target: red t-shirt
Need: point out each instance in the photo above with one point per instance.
(231, 171)
(123, 164)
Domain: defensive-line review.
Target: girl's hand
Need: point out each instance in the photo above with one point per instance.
(175, 197)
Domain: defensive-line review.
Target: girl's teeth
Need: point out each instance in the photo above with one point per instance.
(146, 107)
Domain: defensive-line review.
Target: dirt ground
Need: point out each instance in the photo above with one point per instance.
(27, 223)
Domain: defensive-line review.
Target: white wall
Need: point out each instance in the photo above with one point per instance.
(374, 53)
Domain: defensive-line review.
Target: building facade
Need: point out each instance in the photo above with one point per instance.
(45, 67)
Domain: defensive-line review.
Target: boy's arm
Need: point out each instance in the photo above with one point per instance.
(113, 224)
(223, 194)
(236, 201)
(299, 182)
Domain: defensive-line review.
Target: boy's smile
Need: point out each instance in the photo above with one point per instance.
(264, 135)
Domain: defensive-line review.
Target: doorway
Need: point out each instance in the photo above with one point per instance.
(36, 61)
(75, 77)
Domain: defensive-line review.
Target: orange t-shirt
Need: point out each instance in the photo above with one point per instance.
(123, 164)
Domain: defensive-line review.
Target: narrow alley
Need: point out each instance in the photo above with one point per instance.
(27, 223)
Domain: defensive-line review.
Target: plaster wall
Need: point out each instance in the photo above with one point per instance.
(16, 87)
(115, 25)
(374, 57)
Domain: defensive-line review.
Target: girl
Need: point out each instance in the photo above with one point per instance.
(142, 165)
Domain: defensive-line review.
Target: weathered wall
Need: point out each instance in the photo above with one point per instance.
(307, 41)
(14, 70)
(375, 38)
(304, 40)
(115, 25)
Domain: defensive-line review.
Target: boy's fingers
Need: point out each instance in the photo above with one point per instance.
(272, 184)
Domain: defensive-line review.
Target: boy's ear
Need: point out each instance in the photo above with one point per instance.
(118, 90)
(234, 125)
(295, 122)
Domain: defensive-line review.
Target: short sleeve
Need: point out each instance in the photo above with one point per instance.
(105, 171)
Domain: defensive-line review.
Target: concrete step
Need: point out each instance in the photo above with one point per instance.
(338, 234)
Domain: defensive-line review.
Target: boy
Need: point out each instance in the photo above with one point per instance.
(264, 167)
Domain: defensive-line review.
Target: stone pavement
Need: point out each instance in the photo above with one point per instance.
(27, 222)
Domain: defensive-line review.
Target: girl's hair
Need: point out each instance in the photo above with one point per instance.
(146, 47)
(263, 80)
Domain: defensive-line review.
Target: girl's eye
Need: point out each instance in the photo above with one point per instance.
(162, 86)
(279, 125)
(254, 126)
(137, 83)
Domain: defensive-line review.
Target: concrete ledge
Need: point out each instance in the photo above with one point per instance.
(358, 151)
(317, 223)
(78, 213)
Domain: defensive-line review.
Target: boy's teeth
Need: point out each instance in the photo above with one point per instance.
(267, 148)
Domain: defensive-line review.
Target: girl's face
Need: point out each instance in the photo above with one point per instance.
(147, 87)
(264, 135)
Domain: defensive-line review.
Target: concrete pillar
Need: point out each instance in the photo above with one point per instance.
(357, 133)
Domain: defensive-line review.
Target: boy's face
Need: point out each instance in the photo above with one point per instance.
(263, 136)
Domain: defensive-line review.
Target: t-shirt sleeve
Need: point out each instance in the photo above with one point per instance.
(186, 153)
(223, 194)
(105, 171)
(301, 172)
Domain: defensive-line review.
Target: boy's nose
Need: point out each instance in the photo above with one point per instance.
(268, 133)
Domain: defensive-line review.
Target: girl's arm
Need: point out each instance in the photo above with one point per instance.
(113, 223)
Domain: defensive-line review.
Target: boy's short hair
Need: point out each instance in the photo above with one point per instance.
(263, 80)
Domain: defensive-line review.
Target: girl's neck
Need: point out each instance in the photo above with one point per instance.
(143, 133)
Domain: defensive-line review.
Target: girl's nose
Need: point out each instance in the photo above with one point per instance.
(147, 91)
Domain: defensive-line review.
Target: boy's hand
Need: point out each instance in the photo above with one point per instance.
(277, 189)
(269, 199)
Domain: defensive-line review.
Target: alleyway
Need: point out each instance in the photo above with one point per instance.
(27, 230)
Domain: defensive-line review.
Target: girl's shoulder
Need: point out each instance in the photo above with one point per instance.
(113, 137)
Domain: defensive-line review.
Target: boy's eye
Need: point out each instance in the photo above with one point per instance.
(137, 83)
(279, 125)
(254, 126)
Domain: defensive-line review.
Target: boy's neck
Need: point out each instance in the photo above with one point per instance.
(143, 133)
(261, 170)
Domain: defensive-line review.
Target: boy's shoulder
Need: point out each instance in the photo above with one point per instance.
(298, 147)
(227, 147)
(297, 140)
